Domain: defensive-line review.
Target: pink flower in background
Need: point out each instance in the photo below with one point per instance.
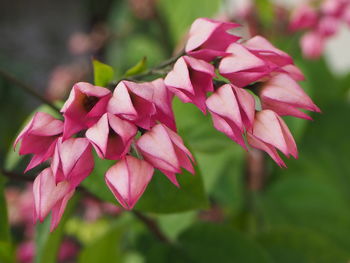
(39, 138)
(134, 102)
(270, 133)
(209, 38)
(162, 99)
(49, 196)
(232, 110)
(165, 150)
(242, 67)
(111, 136)
(303, 17)
(322, 20)
(190, 80)
(284, 96)
(72, 160)
(84, 107)
(128, 180)
(312, 45)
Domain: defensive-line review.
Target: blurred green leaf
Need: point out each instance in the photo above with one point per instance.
(161, 196)
(48, 244)
(206, 242)
(265, 9)
(180, 14)
(95, 182)
(103, 73)
(296, 245)
(106, 248)
(140, 67)
(6, 249)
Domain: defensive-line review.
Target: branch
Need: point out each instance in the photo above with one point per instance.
(12, 79)
(152, 226)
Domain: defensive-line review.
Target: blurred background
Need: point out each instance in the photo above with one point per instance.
(228, 212)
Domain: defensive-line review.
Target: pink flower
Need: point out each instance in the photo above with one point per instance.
(39, 138)
(164, 149)
(84, 107)
(128, 180)
(284, 96)
(232, 110)
(312, 45)
(134, 102)
(49, 196)
(303, 17)
(270, 133)
(162, 99)
(26, 252)
(334, 7)
(209, 38)
(242, 67)
(263, 49)
(190, 80)
(111, 136)
(72, 160)
(328, 26)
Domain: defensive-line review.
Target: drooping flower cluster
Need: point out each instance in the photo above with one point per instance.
(321, 20)
(135, 124)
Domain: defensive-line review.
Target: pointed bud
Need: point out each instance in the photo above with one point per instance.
(128, 180)
(164, 149)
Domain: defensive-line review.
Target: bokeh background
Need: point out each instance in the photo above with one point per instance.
(228, 212)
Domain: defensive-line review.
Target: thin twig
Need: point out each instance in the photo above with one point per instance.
(152, 226)
(12, 79)
(16, 177)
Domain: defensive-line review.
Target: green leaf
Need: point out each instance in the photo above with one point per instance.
(290, 244)
(180, 14)
(206, 242)
(95, 182)
(103, 73)
(48, 244)
(106, 248)
(161, 196)
(140, 67)
(6, 249)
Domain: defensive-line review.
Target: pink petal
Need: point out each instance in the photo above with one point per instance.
(269, 149)
(265, 50)
(58, 210)
(157, 148)
(285, 90)
(47, 193)
(312, 45)
(242, 67)
(162, 99)
(128, 180)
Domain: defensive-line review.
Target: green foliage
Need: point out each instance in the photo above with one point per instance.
(6, 249)
(103, 73)
(180, 14)
(205, 242)
(161, 196)
(140, 67)
(291, 244)
(95, 182)
(48, 244)
(106, 248)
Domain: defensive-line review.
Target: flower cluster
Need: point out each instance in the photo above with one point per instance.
(322, 21)
(245, 85)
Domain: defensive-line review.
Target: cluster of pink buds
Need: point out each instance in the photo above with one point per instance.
(246, 87)
(321, 20)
